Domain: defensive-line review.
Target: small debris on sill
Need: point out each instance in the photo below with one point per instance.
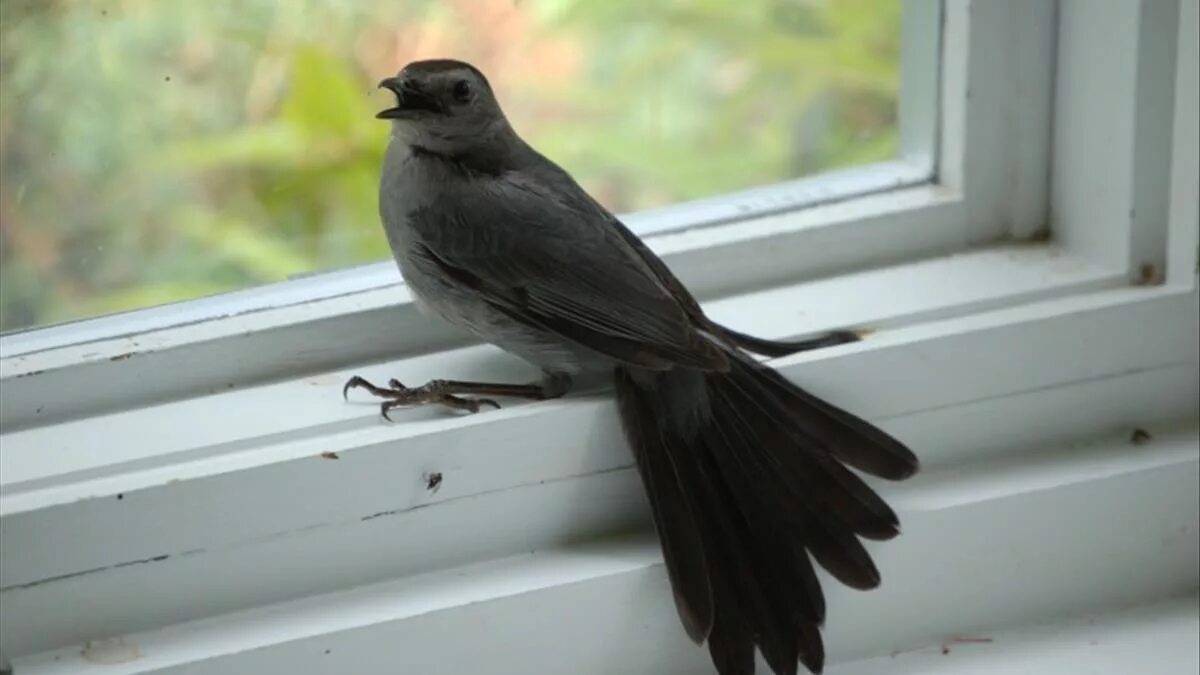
(433, 481)
(1039, 236)
(1149, 275)
(323, 380)
(949, 642)
(329, 455)
(110, 652)
(1140, 437)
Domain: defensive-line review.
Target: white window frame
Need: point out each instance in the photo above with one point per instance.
(807, 228)
(979, 316)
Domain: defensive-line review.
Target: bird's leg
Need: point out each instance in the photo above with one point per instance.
(447, 392)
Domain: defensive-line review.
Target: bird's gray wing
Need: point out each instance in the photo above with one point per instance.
(550, 259)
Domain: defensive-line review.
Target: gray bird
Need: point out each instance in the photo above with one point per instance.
(745, 472)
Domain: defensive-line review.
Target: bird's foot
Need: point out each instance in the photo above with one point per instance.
(435, 392)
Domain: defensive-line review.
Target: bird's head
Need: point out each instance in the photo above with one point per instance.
(444, 104)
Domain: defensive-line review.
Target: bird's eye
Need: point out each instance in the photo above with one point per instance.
(461, 91)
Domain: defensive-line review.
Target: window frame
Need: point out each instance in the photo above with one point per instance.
(828, 224)
(1071, 310)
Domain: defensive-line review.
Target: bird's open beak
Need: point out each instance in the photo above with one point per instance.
(408, 100)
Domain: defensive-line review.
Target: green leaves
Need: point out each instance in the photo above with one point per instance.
(323, 99)
(154, 151)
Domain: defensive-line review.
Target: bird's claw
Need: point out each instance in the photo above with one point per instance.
(398, 395)
(352, 383)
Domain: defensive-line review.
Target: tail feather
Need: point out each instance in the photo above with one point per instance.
(683, 549)
(808, 465)
(843, 435)
(763, 438)
(744, 488)
(748, 538)
(776, 348)
(731, 646)
(812, 649)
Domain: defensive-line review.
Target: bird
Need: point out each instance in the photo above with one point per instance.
(750, 478)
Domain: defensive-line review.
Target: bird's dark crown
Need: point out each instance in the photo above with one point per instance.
(431, 67)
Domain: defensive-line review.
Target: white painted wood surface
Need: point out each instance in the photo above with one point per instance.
(1159, 638)
(1112, 145)
(886, 298)
(1183, 250)
(1017, 538)
(529, 476)
(998, 74)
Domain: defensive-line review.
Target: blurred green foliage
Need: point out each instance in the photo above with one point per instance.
(153, 151)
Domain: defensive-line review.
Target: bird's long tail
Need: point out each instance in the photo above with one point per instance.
(746, 477)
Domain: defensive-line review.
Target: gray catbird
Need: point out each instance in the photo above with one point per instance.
(745, 472)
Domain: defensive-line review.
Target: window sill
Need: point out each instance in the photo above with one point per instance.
(187, 503)
(530, 602)
(46, 465)
(1156, 638)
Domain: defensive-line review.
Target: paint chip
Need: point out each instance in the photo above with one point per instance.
(946, 644)
(433, 481)
(1149, 275)
(110, 652)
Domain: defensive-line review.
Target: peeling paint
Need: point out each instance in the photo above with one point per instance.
(257, 540)
(389, 512)
(323, 380)
(93, 570)
(433, 481)
(1149, 275)
(956, 640)
(485, 493)
(157, 558)
(110, 652)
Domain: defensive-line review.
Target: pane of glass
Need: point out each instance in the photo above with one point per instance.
(154, 151)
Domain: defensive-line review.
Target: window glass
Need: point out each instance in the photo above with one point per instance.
(157, 150)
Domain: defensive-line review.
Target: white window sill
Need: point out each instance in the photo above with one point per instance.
(1159, 638)
(1033, 536)
(46, 465)
(170, 513)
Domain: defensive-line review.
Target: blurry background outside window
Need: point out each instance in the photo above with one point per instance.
(157, 150)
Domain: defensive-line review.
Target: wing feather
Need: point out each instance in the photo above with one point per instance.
(561, 267)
